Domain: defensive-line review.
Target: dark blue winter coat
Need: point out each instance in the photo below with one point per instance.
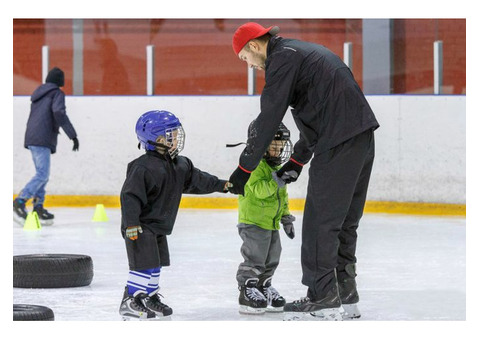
(47, 115)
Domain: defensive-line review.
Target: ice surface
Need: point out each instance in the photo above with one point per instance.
(409, 267)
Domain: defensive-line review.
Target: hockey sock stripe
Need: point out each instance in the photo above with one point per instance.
(154, 281)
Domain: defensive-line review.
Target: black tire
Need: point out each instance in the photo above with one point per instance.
(52, 271)
(32, 313)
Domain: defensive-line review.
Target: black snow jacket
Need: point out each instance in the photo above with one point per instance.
(150, 196)
(47, 115)
(327, 104)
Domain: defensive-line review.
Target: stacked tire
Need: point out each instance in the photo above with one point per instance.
(48, 271)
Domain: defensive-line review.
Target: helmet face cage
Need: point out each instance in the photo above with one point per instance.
(281, 147)
(175, 140)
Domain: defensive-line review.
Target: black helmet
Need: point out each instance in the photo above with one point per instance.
(282, 151)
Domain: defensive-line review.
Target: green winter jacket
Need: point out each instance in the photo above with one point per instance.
(264, 203)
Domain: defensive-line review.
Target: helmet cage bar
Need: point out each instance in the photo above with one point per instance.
(174, 141)
(283, 155)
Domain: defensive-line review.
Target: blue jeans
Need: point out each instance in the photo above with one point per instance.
(36, 187)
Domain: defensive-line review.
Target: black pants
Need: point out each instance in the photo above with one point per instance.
(149, 251)
(337, 189)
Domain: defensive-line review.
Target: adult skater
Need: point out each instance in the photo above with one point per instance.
(47, 115)
(336, 127)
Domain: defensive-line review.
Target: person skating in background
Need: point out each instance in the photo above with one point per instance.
(47, 115)
(336, 126)
(260, 211)
(150, 199)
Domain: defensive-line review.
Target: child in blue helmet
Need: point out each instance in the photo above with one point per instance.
(150, 199)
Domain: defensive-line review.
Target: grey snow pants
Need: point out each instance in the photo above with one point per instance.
(261, 251)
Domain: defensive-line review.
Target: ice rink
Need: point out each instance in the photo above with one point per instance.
(409, 267)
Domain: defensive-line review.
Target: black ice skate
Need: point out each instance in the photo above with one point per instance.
(251, 300)
(327, 308)
(347, 289)
(275, 301)
(45, 217)
(133, 308)
(19, 211)
(153, 303)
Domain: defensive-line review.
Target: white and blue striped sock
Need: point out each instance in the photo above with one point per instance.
(143, 281)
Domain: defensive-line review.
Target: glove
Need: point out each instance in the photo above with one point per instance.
(227, 186)
(280, 181)
(288, 169)
(75, 144)
(238, 179)
(287, 222)
(132, 232)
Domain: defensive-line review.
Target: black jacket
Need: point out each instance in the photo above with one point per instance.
(47, 115)
(150, 196)
(328, 106)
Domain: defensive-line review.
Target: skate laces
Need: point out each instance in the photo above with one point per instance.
(156, 301)
(301, 300)
(271, 293)
(254, 294)
(138, 304)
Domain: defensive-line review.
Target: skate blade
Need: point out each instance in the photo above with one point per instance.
(132, 318)
(271, 309)
(351, 311)
(328, 314)
(250, 310)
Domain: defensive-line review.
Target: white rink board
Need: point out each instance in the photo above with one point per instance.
(420, 146)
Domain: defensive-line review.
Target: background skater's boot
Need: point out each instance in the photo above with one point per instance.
(132, 307)
(153, 302)
(327, 308)
(45, 217)
(19, 211)
(347, 289)
(251, 300)
(275, 301)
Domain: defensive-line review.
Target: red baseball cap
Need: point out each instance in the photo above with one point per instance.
(249, 31)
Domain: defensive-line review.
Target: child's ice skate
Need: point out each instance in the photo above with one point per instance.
(133, 308)
(251, 300)
(154, 304)
(275, 302)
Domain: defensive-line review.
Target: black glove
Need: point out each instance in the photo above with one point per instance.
(238, 179)
(288, 170)
(75, 144)
(287, 222)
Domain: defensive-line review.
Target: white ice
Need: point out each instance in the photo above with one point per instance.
(409, 267)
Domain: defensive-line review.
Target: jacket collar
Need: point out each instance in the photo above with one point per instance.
(272, 43)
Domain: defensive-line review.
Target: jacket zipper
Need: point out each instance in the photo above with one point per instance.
(278, 208)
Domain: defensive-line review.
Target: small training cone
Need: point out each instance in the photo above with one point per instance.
(100, 214)
(32, 222)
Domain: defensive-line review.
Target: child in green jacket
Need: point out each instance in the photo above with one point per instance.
(261, 209)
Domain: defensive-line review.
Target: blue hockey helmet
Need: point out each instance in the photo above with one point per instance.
(153, 124)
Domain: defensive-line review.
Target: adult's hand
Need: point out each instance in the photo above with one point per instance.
(238, 179)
